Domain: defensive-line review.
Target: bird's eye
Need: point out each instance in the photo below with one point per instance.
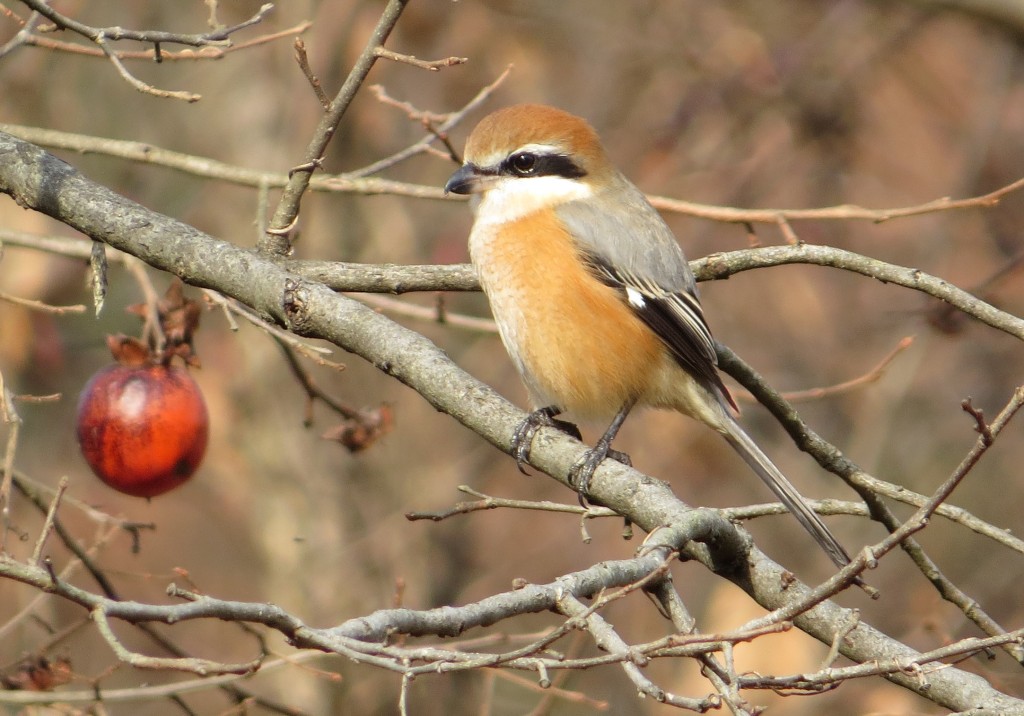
(523, 163)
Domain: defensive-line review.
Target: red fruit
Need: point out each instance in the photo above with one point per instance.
(142, 428)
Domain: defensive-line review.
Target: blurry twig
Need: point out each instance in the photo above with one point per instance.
(313, 391)
(425, 118)
(10, 417)
(895, 492)
(314, 353)
(103, 36)
(275, 240)
(24, 35)
(157, 691)
(605, 637)
(359, 428)
(44, 533)
(486, 502)
(85, 558)
(40, 306)
(152, 332)
(435, 315)
(438, 132)
(831, 675)
(202, 667)
(950, 512)
(947, 319)
(357, 181)
(550, 692)
(210, 52)
(213, 169)
(782, 217)
(303, 59)
(135, 82)
(219, 36)
(432, 65)
(873, 375)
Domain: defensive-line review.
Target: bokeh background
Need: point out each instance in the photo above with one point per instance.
(786, 104)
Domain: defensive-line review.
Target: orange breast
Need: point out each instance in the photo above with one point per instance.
(576, 342)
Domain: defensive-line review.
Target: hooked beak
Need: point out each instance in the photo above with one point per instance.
(467, 180)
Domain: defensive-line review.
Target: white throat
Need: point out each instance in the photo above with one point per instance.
(513, 198)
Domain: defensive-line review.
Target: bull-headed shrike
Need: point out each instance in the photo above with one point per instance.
(593, 297)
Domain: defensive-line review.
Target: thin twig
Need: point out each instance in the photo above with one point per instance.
(432, 65)
(44, 533)
(101, 41)
(40, 306)
(303, 60)
(217, 37)
(313, 352)
(403, 308)
(440, 131)
(287, 211)
(782, 217)
(872, 376)
(209, 52)
(487, 502)
(608, 640)
(9, 416)
(202, 667)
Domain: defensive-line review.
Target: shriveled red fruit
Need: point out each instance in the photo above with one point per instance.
(142, 428)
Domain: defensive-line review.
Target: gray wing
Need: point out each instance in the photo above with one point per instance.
(627, 246)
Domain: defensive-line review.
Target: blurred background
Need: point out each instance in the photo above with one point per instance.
(752, 105)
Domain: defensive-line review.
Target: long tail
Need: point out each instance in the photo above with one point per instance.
(785, 491)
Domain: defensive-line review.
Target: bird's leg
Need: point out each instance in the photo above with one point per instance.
(583, 470)
(522, 439)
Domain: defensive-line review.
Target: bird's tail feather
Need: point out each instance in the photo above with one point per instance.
(784, 490)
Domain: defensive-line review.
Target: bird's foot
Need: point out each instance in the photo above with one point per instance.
(522, 439)
(583, 469)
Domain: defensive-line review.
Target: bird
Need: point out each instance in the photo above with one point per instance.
(593, 297)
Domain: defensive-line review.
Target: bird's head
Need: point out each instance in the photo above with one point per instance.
(532, 155)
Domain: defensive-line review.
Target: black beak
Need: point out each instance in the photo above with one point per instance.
(465, 181)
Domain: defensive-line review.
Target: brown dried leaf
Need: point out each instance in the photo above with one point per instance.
(362, 431)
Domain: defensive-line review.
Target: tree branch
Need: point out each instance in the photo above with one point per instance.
(275, 239)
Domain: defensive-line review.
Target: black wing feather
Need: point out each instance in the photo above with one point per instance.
(675, 316)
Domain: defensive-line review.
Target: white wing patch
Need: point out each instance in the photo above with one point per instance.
(635, 298)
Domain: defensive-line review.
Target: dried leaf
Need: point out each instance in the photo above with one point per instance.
(362, 431)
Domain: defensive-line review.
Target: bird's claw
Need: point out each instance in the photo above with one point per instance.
(522, 438)
(583, 469)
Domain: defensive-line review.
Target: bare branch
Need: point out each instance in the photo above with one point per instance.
(783, 217)
(209, 52)
(217, 37)
(717, 266)
(287, 212)
(202, 667)
(40, 306)
(608, 640)
(432, 65)
(314, 81)
(44, 533)
(872, 376)
(212, 169)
